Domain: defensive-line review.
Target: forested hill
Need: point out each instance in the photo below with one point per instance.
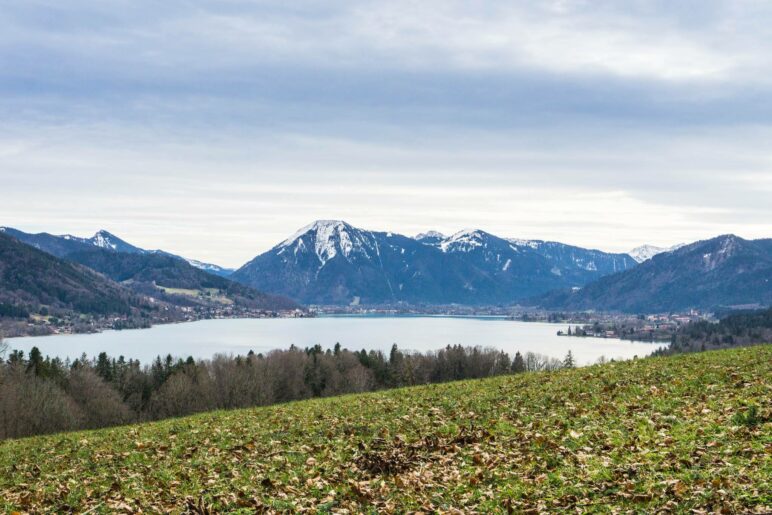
(30, 278)
(145, 272)
(157, 274)
(720, 272)
(738, 329)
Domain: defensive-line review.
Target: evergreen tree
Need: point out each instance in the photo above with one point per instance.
(103, 367)
(35, 363)
(518, 364)
(568, 362)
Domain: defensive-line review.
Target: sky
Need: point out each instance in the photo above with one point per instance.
(215, 129)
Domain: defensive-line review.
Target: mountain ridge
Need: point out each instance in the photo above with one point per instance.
(152, 273)
(32, 279)
(723, 271)
(64, 244)
(330, 261)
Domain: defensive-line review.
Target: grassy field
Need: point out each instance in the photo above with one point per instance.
(210, 294)
(690, 432)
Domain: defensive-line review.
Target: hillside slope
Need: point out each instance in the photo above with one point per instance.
(723, 271)
(144, 272)
(183, 282)
(690, 432)
(31, 279)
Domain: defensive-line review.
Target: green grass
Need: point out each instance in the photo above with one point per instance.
(690, 432)
(210, 294)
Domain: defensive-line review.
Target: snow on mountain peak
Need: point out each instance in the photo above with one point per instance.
(646, 252)
(328, 238)
(323, 226)
(209, 267)
(463, 241)
(429, 235)
(104, 240)
(518, 242)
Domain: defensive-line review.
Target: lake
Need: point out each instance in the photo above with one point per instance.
(205, 338)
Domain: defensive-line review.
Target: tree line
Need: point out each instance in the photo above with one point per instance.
(43, 395)
(734, 330)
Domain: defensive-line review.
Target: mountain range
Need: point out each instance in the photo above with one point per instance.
(151, 273)
(63, 245)
(31, 279)
(726, 271)
(646, 252)
(332, 262)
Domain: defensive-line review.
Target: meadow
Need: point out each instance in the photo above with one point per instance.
(686, 433)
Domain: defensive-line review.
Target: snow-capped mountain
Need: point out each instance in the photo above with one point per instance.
(330, 261)
(329, 238)
(540, 264)
(564, 259)
(430, 237)
(209, 267)
(646, 252)
(63, 245)
(104, 240)
(67, 244)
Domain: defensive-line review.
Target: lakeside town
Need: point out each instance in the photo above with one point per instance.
(78, 323)
(656, 327)
(660, 327)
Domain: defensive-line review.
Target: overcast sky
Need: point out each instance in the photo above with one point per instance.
(214, 129)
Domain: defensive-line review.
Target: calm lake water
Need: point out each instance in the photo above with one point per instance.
(421, 333)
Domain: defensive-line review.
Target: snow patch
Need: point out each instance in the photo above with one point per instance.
(646, 252)
(429, 234)
(463, 241)
(207, 267)
(103, 242)
(524, 243)
(330, 238)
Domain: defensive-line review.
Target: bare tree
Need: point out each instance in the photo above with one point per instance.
(100, 403)
(30, 405)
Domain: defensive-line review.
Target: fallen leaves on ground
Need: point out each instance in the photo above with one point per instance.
(658, 434)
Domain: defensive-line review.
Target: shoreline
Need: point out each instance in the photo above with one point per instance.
(99, 329)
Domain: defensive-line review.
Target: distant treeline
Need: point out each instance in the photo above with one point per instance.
(13, 311)
(43, 395)
(736, 330)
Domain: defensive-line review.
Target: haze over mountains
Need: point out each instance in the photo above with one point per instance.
(330, 262)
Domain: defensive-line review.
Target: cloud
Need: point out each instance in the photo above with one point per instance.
(215, 129)
(145, 41)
